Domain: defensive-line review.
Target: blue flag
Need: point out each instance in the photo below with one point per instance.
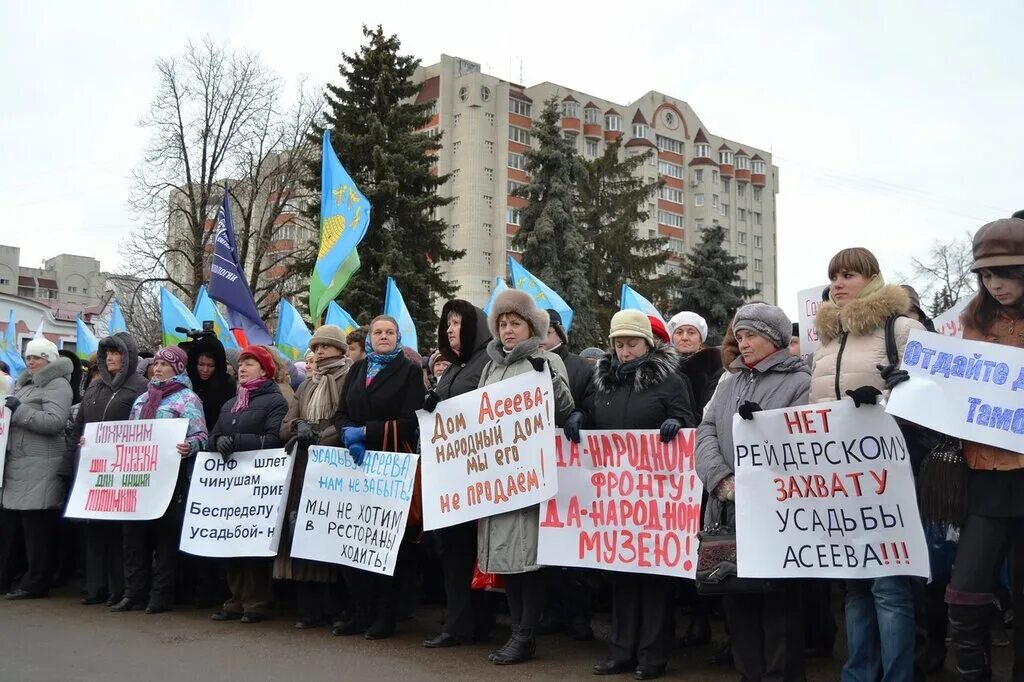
(499, 286)
(116, 323)
(631, 299)
(394, 305)
(544, 295)
(10, 352)
(293, 336)
(344, 217)
(339, 317)
(174, 315)
(205, 309)
(227, 283)
(86, 342)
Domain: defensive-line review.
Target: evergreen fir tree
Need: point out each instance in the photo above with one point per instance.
(941, 302)
(374, 124)
(709, 283)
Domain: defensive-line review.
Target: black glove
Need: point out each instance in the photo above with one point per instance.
(225, 446)
(12, 404)
(669, 428)
(893, 376)
(747, 410)
(431, 400)
(305, 432)
(573, 424)
(291, 445)
(865, 395)
(538, 363)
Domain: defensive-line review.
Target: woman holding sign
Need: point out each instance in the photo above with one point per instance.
(507, 543)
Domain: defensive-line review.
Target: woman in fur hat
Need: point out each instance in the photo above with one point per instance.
(507, 543)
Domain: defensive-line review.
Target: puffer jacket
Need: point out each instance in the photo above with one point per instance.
(642, 399)
(258, 427)
(507, 543)
(183, 404)
(780, 380)
(853, 342)
(110, 398)
(463, 374)
(36, 446)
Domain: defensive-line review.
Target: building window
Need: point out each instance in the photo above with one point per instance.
(725, 210)
(741, 190)
(508, 245)
(758, 265)
(714, 176)
(613, 122)
(714, 201)
(758, 167)
(667, 144)
(725, 157)
(725, 185)
(463, 93)
(489, 145)
(639, 130)
(742, 163)
(651, 234)
(676, 246)
(671, 219)
(703, 151)
(757, 241)
(72, 290)
(741, 215)
(456, 145)
(741, 237)
(487, 257)
(513, 186)
(592, 115)
(432, 108)
(455, 120)
(488, 228)
(757, 194)
(700, 225)
(592, 147)
(671, 194)
(489, 201)
(4, 280)
(489, 173)
(757, 217)
(698, 176)
(517, 161)
(698, 199)
(672, 170)
(741, 259)
(725, 235)
(570, 109)
(518, 106)
(512, 216)
(489, 117)
(520, 135)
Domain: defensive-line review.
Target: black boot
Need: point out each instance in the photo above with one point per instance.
(520, 648)
(969, 631)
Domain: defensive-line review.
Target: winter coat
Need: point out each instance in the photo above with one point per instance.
(110, 398)
(183, 404)
(258, 427)
(853, 342)
(394, 395)
(581, 378)
(780, 380)
(644, 399)
(507, 543)
(36, 446)
(220, 387)
(703, 370)
(463, 374)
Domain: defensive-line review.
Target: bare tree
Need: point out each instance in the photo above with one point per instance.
(140, 305)
(946, 275)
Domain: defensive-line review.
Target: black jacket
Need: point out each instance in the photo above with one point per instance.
(257, 427)
(394, 395)
(220, 387)
(643, 400)
(463, 375)
(703, 369)
(581, 378)
(110, 398)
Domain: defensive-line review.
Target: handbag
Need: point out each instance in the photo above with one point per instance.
(393, 444)
(717, 561)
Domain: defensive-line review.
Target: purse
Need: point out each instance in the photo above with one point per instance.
(942, 484)
(392, 444)
(717, 561)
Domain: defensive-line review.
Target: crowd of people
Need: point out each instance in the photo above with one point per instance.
(362, 390)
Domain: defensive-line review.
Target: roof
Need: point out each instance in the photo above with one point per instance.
(700, 137)
(429, 90)
(704, 161)
(26, 281)
(742, 153)
(591, 105)
(569, 98)
(612, 112)
(47, 283)
(638, 117)
(519, 94)
(725, 148)
(757, 157)
(639, 142)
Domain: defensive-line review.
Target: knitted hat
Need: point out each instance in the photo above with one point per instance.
(555, 320)
(262, 356)
(434, 357)
(42, 348)
(330, 335)
(631, 323)
(173, 356)
(658, 329)
(766, 320)
(232, 356)
(692, 319)
(592, 353)
(998, 244)
(521, 304)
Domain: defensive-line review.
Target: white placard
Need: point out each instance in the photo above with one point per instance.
(236, 508)
(825, 491)
(808, 302)
(489, 451)
(5, 433)
(948, 323)
(127, 470)
(354, 515)
(626, 502)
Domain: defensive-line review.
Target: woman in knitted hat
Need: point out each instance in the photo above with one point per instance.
(638, 387)
(377, 411)
(310, 421)
(995, 506)
(151, 547)
(766, 629)
(250, 421)
(507, 543)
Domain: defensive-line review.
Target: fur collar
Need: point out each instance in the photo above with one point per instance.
(863, 315)
(58, 369)
(662, 361)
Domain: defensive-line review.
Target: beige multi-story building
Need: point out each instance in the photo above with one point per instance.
(487, 121)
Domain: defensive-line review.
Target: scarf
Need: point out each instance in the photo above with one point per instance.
(245, 390)
(624, 371)
(375, 361)
(155, 394)
(326, 388)
(871, 287)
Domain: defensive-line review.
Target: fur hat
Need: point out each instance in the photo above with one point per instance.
(261, 355)
(766, 320)
(330, 335)
(688, 318)
(42, 348)
(555, 321)
(631, 323)
(173, 356)
(521, 304)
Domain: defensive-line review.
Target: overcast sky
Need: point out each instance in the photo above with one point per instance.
(892, 124)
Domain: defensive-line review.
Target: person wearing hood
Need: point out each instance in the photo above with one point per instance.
(462, 338)
(109, 398)
(701, 365)
(151, 547)
(638, 387)
(33, 490)
(766, 629)
(507, 543)
(208, 372)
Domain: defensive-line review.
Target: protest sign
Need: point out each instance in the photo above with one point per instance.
(354, 515)
(236, 508)
(808, 301)
(127, 470)
(967, 389)
(825, 491)
(489, 451)
(948, 323)
(5, 429)
(626, 502)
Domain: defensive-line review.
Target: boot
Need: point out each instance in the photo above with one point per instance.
(520, 648)
(500, 651)
(969, 630)
(699, 632)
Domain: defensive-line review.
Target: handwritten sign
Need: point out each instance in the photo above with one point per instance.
(236, 508)
(354, 515)
(127, 470)
(626, 502)
(5, 432)
(967, 389)
(489, 451)
(948, 323)
(825, 491)
(808, 302)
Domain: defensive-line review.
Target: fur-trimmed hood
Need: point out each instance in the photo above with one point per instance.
(60, 368)
(658, 364)
(863, 315)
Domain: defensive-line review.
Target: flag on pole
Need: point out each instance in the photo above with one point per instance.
(10, 352)
(116, 323)
(39, 330)
(339, 317)
(394, 305)
(174, 315)
(86, 343)
(205, 309)
(629, 298)
(344, 217)
(228, 285)
(544, 295)
(499, 286)
(292, 337)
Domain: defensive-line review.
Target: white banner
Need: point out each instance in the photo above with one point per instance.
(967, 389)
(236, 508)
(489, 451)
(626, 502)
(948, 323)
(354, 515)
(5, 433)
(825, 491)
(127, 470)
(808, 301)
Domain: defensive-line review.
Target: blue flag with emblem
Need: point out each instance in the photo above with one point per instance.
(86, 342)
(394, 305)
(205, 309)
(174, 315)
(630, 298)
(293, 336)
(9, 350)
(499, 286)
(116, 323)
(339, 317)
(544, 295)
